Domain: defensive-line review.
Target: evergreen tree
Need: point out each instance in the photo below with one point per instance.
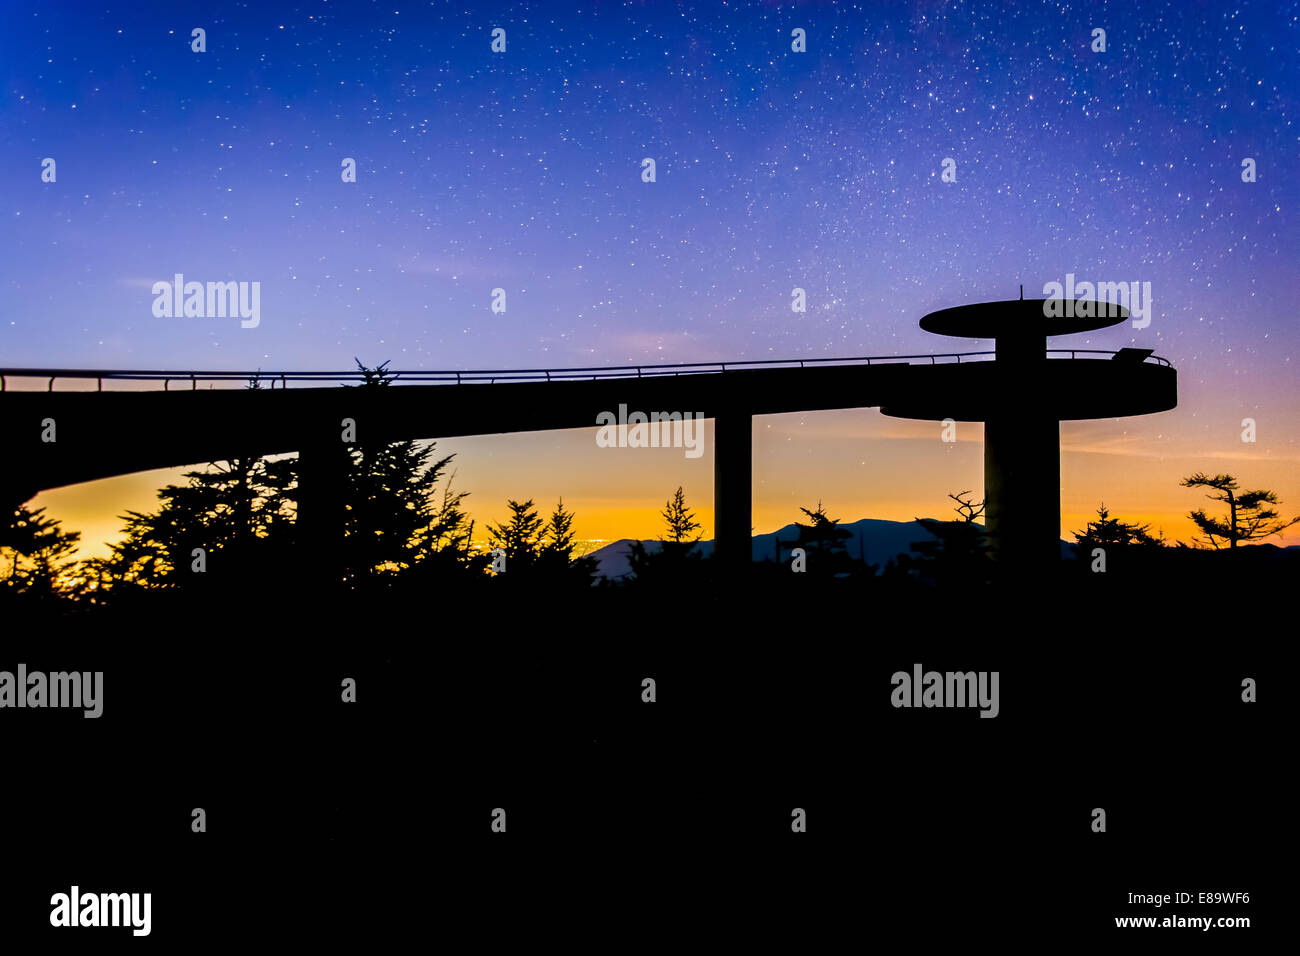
(447, 542)
(1108, 532)
(677, 559)
(1249, 517)
(823, 542)
(239, 512)
(556, 553)
(388, 512)
(680, 520)
(36, 556)
(520, 537)
(389, 520)
(242, 513)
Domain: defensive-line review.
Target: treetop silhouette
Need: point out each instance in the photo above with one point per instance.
(1249, 518)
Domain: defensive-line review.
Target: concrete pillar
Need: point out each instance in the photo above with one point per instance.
(1022, 489)
(733, 475)
(1022, 461)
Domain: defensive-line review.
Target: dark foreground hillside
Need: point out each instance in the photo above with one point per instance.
(1120, 691)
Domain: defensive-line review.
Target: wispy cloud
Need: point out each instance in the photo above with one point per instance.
(138, 282)
(457, 268)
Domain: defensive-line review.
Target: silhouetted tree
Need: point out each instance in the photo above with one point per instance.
(450, 532)
(445, 559)
(824, 543)
(960, 550)
(1124, 547)
(36, 555)
(1249, 518)
(677, 558)
(558, 533)
(239, 512)
(1108, 532)
(555, 558)
(390, 522)
(680, 520)
(968, 510)
(243, 514)
(371, 377)
(388, 509)
(520, 537)
(540, 555)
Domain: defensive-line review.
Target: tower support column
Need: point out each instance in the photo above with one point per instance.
(1022, 491)
(733, 475)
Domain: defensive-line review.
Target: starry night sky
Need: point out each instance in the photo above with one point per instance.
(775, 169)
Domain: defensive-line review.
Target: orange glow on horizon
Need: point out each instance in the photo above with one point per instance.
(858, 463)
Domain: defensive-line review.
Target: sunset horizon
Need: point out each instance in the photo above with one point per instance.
(1147, 492)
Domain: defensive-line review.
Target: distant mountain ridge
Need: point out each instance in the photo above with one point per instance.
(878, 540)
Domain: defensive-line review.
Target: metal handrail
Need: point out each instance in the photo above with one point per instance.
(492, 376)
